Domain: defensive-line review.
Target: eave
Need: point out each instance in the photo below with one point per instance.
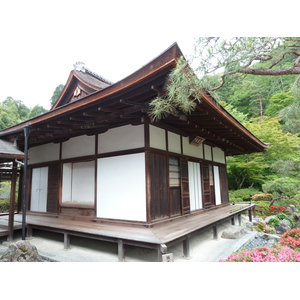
(127, 102)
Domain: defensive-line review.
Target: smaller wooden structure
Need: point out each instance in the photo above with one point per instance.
(10, 156)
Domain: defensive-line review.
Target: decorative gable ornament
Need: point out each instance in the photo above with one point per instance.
(197, 140)
(77, 92)
(79, 66)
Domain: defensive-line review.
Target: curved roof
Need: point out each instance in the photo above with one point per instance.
(127, 102)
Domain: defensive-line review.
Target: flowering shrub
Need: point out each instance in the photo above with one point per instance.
(263, 227)
(278, 253)
(277, 209)
(262, 197)
(291, 238)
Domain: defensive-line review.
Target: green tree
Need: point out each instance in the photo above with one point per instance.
(290, 117)
(245, 171)
(218, 59)
(277, 102)
(56, 94)
(12, 112)
(36, 111)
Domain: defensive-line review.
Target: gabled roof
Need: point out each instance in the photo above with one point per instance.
(127, 102)
(81, 83)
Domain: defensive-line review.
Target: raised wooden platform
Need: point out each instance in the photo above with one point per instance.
(159, 236)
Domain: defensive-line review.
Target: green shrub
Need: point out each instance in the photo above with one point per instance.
(282, 216)
(262, 197)
(274, 222)
(242, 194)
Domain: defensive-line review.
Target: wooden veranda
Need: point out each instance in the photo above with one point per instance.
(158, 236)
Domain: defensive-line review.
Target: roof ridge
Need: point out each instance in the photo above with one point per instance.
(80, 66)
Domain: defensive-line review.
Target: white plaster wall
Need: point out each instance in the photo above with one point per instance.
(219, 155)
(121, 187)
(157, 138)
(174, 142)
(121, 138)
(217, 185)
(43, 153)
(191, 150)
(78, 146)
(207, 152)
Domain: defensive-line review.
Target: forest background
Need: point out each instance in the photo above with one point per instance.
(268, 106)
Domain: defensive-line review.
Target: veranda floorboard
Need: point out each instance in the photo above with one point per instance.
(161, 233)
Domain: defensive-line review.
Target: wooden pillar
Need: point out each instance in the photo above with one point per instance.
(232, 221)
(240, 219)
(250, 215)
(12, 202)
(66, 241)
(29, 232)
(186, 246)
(215, 231)
(254, 211)
(121, 251)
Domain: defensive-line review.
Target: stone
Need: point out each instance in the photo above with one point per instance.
(296, 216)
(233, 232)
(292, 208)
(267, 219)
(284, 226)
(21, 251)
(257, 220)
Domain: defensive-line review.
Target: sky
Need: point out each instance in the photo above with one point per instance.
(41, 40)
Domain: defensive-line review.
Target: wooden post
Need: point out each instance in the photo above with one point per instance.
(66, 241)
(254, 211)
(232, 221)
(29, 232)
(186, 246)
(121, 251)
(240, 219)
(250, 215)
(12, 203)
(215, 231)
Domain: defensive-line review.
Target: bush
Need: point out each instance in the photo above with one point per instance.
(263, 209)
(263, 227)
(278, 253)
(274, 222)
(282, 216)
(291, 238)
(262, 197)
(277, 208)
(242, 194)
(4, 206)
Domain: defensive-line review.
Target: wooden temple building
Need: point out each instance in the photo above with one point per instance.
(98, 167)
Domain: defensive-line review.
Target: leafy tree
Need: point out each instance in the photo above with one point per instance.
(290, 117)
(238, 54)
(254, 169)
(56, 94)
(277, 102)
(246, 171)
(36, 111)
(12, 112)
(218, 59)
(282, 145)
